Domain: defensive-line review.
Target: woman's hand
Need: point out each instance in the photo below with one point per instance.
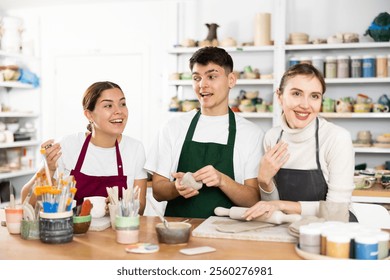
(184, 191)
(52, 154)
(273, 159)
(262, 208)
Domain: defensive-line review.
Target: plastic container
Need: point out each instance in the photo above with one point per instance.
(342, 66)
(383, 244)
(292, 61)
(368, 66)
(330, 67)
(338, 245)
(381, 66)
(310, 238)
(366, 246)
(356, 66)
(388, 65)
(318, 62)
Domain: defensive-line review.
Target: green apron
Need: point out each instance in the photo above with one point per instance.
(194, 156)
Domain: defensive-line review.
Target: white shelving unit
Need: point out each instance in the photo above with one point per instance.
(242, 56)
(21, 103)
(377, 123)
(276, 60)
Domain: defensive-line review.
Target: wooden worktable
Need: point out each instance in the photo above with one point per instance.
(102, 245)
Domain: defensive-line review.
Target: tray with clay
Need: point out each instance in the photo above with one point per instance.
(229, 224)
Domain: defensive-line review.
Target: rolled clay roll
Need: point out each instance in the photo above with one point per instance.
(189, 182)
(277, 217)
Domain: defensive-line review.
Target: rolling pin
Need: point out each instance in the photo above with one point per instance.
(277, 217)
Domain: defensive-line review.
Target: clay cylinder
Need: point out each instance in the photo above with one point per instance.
(262, 34)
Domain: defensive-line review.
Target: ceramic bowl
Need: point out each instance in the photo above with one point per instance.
(176, 233)
(81, 224)
(13, 127)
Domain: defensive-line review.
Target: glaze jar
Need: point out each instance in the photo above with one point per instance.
(366, 246)
(310, 238)
(383, 244)
(330, 67)
(342, 66)
(381, 66)
(318, 62)
(368, 66)
(356, 66)
(338, 245)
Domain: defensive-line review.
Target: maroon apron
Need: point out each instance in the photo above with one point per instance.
(96, 185)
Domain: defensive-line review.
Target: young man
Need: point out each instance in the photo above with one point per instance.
(221, 149)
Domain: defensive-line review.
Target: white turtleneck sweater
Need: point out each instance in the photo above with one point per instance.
(336, 155)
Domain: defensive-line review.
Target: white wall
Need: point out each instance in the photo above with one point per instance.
(151, 27)
(110, 27)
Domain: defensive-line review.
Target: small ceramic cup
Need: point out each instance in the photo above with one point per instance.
(127, 229)
(13, 218)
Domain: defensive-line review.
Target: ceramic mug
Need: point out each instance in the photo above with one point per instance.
(328, 105)
(343, 106)
(362, 107)
(380, 108)
(385, 181)
(384, 99)
(363, 182)
(99, 206)
(362, 98)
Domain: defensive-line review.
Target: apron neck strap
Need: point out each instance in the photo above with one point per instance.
(317, 144)
(83, 152)
(232, 127)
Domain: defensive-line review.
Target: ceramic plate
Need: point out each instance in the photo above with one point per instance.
(142, 248)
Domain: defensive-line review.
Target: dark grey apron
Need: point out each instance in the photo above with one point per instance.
(303, 185)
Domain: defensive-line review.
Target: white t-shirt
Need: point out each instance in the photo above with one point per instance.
(102, 161)
(336, 154)
(163, 156)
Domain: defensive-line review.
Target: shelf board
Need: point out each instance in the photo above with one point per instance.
(16, 173)
(265, 115)
(365, 45)
(17, 144)
(371, 150)
(357, 80)
(375, 194)
(183, 50)
(356, 115)
(239, 82)
(18, 115)
(13, 84)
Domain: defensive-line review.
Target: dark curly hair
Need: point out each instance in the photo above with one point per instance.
(215, 55)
